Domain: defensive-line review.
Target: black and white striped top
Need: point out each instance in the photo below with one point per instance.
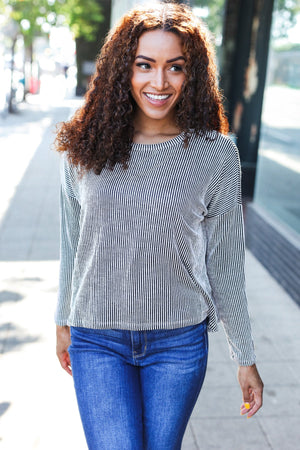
(159, 245)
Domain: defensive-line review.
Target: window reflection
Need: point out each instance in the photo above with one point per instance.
(277, 186)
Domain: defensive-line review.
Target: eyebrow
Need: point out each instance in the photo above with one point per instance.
(168, 61)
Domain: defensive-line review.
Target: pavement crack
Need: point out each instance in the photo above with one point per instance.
(265, 434)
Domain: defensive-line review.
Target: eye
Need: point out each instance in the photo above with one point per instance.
(144, 66)
(176, 68)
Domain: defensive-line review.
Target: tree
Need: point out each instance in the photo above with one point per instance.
(212, 11)
(35, 17)
(286, 15)
(286, 12)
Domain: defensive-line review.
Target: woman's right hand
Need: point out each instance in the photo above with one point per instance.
(63, 341)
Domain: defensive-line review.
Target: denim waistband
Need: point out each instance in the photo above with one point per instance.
(120, 334)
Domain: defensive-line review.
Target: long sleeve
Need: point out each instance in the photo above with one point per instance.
(225, 257)
(69, 236)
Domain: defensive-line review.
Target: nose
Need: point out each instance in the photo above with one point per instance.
(160, 80)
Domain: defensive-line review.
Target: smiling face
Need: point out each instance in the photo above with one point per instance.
(158, 76)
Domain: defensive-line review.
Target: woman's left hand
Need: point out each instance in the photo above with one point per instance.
(252, 389)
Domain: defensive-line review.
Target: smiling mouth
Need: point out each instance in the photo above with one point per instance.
(157, 97)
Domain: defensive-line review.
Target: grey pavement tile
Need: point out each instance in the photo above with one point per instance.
(278, 373)
(13, 251)
(49, 221)
(46, 234)
(289, 349)
(47, 231)
(217, 339)
(260, 286)
(27, 192)
(218, 401)
(279, 319)
(220, 374)
(17, 234)
(282, 432)
(22, 215)
(52, 204)
(265, 348)
(50, 211)
(258, 274)
(219, 354)
(218, 349)
(18, 210)
(295, 367)
(229, 434)
(44, 251)
(281, 401)
(219, 335)
(188, 442)
(268, 301)
(281, 328)
(260, 289)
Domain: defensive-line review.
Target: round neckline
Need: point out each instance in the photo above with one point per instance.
(160, 145)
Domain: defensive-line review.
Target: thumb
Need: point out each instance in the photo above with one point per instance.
(247, 401)
(247, 397)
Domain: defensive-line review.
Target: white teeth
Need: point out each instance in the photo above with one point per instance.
(158, 97)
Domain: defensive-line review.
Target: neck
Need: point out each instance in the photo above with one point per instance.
(153, 127)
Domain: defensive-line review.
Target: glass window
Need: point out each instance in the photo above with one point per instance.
(277, 187)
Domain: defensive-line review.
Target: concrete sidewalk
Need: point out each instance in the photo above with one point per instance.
(37, 403)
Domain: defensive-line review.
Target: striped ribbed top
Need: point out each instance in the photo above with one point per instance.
(158, 245)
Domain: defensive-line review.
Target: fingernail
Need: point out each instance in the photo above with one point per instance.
(247, 405)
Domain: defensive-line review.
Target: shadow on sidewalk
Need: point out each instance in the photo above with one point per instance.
(13, 337)
(10, 296)
(4, 407)
(29, 230)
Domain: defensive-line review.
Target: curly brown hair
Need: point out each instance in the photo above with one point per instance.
(101, 131)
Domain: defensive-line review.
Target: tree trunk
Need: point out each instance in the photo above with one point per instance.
(11, 106)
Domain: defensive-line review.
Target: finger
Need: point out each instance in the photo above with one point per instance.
(65, 362)
(246, 407)
(252, 407)
(66, 367)
(253, 411)
(247, 395)
(248, 403)
(256, 406)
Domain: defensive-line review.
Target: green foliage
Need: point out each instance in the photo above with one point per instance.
(30, 14)
(284, 17)
(214, 19)
(82, 16)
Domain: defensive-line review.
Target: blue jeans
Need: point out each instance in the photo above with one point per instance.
(136, 389)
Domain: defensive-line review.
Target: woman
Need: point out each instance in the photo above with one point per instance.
(152, 247)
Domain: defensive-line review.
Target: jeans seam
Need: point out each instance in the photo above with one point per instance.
(144, 350)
